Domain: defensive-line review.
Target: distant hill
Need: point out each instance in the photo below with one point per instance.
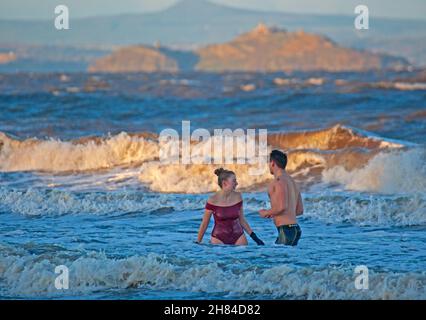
(190, 24)
(270, 49)
(196, 22)
(263, 49)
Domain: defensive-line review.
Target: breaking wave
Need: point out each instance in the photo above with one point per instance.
(403, 86)
(77, 155)
(387, 172)
(33, 276)
(47, 202)
(362, 210)
(356, 209)
(336, 150)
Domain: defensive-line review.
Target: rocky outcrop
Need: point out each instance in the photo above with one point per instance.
(272, 49)
(135, 59)
(263, 49)
(7, 57)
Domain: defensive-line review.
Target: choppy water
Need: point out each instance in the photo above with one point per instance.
(81, 186)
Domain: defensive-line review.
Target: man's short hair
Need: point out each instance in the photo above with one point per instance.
(280, 158)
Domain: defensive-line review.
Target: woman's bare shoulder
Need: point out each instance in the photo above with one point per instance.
(238, 196)
(213, 198)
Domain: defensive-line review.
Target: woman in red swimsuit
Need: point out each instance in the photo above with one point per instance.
(227, 209)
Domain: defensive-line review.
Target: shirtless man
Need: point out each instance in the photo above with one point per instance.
(286, 201)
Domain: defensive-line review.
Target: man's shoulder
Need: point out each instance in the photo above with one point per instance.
(275, 183)
(278, 185)
(271, 186)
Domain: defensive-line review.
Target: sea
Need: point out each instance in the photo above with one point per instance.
(89, 210)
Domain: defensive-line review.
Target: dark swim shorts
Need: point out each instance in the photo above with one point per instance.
(288, 234)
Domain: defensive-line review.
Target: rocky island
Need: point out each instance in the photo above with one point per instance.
(263, 49)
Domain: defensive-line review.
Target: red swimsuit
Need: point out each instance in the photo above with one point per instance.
(227, 226)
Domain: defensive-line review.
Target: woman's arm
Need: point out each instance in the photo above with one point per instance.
(204, 224)
(242, 218)
(244, 222)
(247, 228)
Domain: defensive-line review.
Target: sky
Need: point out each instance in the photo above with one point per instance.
(44, 9)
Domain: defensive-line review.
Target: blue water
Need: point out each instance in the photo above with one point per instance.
(124, 234)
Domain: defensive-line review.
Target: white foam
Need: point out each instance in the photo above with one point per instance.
(315, 81)
(124, 149)
(365, 210)
(33, 276)
(357, 209)
(410, 86)
(57, 155)
(39, 202)
(195, 178)
(387, 172)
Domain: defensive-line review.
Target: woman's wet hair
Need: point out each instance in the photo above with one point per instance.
(222, 174)
(280, 158)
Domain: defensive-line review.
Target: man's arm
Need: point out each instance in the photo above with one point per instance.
(299, 207)
(279, 201)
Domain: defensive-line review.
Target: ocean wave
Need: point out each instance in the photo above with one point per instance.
(77, 155)
(93, 153)
(363, 210)
(309, 152)
(305, 166)
(403, 86)
(334, 207)
(196, 178)
(33, 276)
(54, 202)
(334, 138)
(387, 172)
(336, 150)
